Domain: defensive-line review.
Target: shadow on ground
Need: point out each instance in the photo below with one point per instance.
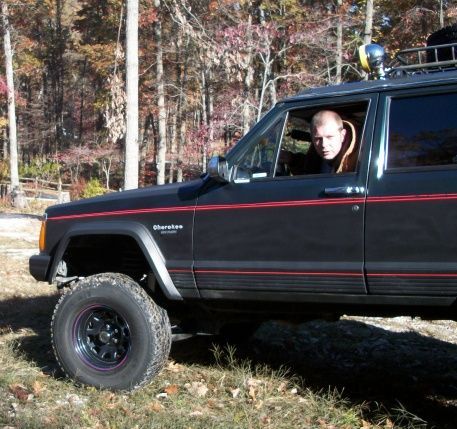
(368, 364)
(30, 318)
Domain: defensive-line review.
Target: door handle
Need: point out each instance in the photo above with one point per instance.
(344, 191)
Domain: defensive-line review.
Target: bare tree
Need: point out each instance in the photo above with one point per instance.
(131, 135)
(339, 41)
(248, 79)
(162, 123)
(367, 34)
(14, 171)
(441, 14)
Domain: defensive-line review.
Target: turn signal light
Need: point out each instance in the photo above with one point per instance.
(42, 240)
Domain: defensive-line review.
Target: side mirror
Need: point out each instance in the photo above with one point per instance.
(217, 169)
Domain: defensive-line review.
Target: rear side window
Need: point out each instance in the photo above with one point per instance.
(422, 131)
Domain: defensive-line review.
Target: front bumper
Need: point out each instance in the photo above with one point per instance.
(39, 265)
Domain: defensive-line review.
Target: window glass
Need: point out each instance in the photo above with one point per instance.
(257, 161)
(422, 131)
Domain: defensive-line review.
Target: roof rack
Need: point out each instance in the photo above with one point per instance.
(424, 60)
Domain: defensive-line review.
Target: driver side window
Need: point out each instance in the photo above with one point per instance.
(259, 158)
(335, 150)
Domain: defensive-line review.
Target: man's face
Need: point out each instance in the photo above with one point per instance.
(328, 139)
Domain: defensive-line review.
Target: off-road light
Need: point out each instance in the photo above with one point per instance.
(372, 59)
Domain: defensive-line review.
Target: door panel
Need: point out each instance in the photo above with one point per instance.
(411, 212)
(286, 238)
(283, 235)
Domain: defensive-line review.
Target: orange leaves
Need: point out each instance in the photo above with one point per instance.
(24, 393)
(38, 388)
(155, 407)
(174, 367)
(20, 392)
(172, 389)
(213, 6)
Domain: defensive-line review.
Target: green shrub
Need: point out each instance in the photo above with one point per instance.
(41, 169)
(93, 188)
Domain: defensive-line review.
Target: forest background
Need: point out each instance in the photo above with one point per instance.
(209, 69)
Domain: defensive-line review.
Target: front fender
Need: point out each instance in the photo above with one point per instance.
(135, 230)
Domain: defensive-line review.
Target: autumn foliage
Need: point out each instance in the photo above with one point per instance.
(225, 63)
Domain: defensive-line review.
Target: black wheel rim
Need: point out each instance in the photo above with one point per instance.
(101, 338)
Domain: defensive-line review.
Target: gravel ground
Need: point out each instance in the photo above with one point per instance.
(19, 235)
(397, 362)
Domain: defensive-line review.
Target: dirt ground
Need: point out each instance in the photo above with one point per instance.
(397, 362)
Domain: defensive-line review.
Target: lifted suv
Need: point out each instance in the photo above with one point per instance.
(255, 239)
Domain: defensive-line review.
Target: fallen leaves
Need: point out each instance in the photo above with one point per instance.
(172, 389)
(155, 406)
(197, 388)
(38, 388)
(174, 367)
(20, 392)
(252, 385)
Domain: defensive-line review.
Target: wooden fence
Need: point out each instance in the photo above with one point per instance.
(4, 190)
(35, 188)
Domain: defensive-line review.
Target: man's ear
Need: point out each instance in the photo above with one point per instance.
(343, 134)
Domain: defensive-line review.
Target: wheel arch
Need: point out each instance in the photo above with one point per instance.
(135, 230)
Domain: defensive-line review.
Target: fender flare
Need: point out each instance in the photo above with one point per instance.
(139, 233)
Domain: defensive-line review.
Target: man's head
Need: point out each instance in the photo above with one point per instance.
(327, 134)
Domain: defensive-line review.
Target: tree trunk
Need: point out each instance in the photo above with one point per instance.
(210, 105)
(181, 141)
(81, 105)
(368, 28)
(441, 14)
(272, 88)
(145, 146)
(173, 144)
(5, 144)
(205, 116)
(367, 34)
(131, 136)
(14, 170)
(265, 81)
(106, 168)
(162, 114)
(339, 42)
(58, 74)
(248, 78)
(182, 109)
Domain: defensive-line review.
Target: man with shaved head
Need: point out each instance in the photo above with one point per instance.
(333, 148)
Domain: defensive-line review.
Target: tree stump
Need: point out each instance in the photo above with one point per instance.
(18, 199)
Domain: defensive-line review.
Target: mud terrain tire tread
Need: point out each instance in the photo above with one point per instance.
(144, 316)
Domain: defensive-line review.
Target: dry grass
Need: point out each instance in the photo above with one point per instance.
(34, 206)
(219, 390)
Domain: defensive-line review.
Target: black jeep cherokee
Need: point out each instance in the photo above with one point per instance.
(253, 240)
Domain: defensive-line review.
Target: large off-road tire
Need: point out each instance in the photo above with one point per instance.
(442, 37)
(107, 332)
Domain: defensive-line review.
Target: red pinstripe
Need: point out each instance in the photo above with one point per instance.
(314, 273)
(271, 204)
